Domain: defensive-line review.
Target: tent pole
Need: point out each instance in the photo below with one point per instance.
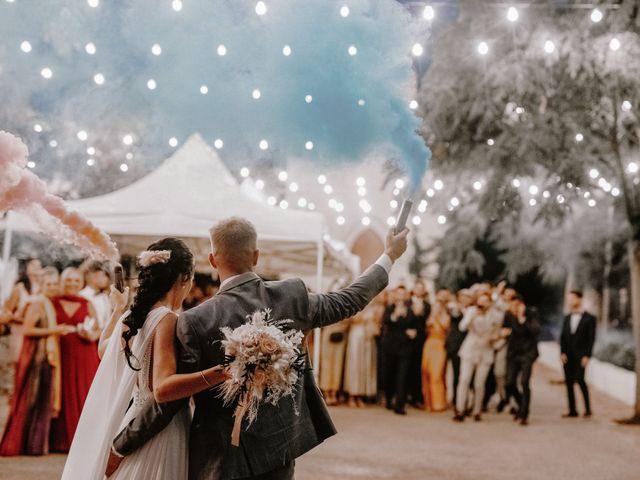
(317, 334)
(6, 254)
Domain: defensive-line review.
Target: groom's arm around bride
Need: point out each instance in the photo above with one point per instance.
(234, 254)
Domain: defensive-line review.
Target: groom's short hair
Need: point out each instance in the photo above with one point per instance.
(236, 240)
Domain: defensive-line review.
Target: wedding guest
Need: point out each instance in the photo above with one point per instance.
(361, 363)
(384, 299)
(397, 345)
(420, 309)
(37, 395)
(27, 286)
(455, 337)
(483, 322)
(96, 290)
(78, 356)
(334, 344)
(576, 346)
(522, 352)
(434, 361)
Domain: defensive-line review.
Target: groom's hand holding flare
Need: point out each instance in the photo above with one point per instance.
(396, 244)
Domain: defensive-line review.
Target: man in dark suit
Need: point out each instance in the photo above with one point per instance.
(576, 346)
(397, 346)
(281, 433)
(522, 352)
(456, 337)
(420, 311)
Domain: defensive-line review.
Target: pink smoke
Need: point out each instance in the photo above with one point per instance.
(21, 190)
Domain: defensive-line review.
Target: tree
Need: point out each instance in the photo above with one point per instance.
(548, 117)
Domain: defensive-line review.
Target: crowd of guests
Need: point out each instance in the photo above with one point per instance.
(397, 352)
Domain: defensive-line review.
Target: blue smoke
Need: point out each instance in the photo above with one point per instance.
(359, 103)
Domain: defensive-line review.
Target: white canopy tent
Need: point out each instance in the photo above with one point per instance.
(185, 196)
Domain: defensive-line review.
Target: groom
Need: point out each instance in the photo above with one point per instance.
(269, 447)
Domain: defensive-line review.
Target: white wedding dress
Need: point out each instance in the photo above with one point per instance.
(165, 456)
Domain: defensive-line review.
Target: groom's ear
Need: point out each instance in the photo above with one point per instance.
(256, 256)
(212, 261)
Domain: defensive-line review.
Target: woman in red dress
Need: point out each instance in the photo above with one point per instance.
(78, 357)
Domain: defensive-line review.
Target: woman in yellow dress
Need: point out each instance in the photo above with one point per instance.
(434, 355)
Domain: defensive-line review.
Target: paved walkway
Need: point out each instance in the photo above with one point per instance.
(376, 444)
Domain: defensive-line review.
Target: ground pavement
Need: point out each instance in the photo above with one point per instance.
(375, 444)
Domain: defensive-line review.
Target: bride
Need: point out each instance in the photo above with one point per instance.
(139, 361)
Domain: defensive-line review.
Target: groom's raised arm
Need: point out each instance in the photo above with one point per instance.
(328, 308)
(154, 417)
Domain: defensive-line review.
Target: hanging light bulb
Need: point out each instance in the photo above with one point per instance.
(596, 15)
(98, 78)
(204, 89)
(176, 5)
(429, 13)
(261, 8)
(483, 48)
(512, 14)
(218, 143)
(614, 44)
(352, 50)
(256, 94)
(549, 46)
(151, 84)
(25, 47)
(82, 135)
(286, 50)
(46, 73)
(417, 50)
(221, 50)
(344, 11)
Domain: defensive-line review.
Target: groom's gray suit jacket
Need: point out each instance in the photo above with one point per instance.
(278, 436)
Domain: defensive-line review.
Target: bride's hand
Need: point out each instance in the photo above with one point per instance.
(119, 299)
(216, 375)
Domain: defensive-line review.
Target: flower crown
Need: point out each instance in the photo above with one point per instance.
(151, 257)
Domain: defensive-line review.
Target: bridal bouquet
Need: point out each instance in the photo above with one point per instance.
(263, 361)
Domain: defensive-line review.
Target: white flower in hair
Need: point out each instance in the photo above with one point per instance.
(151, 257)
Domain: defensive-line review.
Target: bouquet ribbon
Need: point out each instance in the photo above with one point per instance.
(239, 414)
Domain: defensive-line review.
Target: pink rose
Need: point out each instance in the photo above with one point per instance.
(268, 345)
(259, 377)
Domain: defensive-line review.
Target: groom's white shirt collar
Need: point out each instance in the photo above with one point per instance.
(384, 261)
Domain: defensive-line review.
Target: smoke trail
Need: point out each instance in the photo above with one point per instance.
(23, 191)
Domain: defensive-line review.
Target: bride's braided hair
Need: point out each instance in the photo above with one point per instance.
(155, 281)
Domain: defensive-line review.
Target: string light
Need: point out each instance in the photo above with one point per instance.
(340, 220)
(344, 11)
(592, 202)
(53, 143)
(416, 220)
(399, 183)
(129, 156)
(579, 137)
(442, 219)
(46, 73)
(151, 84)
(352, 50)
(156, 49)
(626, 105)
(31, 164)
(361, 102)
(25, 47)
(293, 187)
(91, 162)
(256, 94)
(423, 206)
(124, 167)
(413, 104)
(311, 206)
(90, 48)
(98, 78)
(477, 185)
(490, 142)
(308, 145)
(37, 128)
(221, 50)
(391, 221)
(615, 191)
(261, 8)
(533, 202)
(173, 142)
(244, 172)
(417, 50)
(483, 48)
(366, 221)
(302, 202)
(429, 13)
(596, 15)
(512, 14)
(328, 189)
(286, 50)
(271, 201)
(82, 135)
(360, 181)
(264, 145)
(284, 204)
(593, 173)
(438, 185)
(93, 3)
(533, 190)
(362, 191)
(176, 5)
(322, 179)
(549, 46)
(127, 139)
(259, 184)
(204, 89)
(308, 98)
(632, 167)
(283, 176)
(218, 143)
(614, 44)
(455, 201)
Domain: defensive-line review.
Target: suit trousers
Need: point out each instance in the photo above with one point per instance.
(396, 368)
(522, 367)
(574, 373)
(284, 473)
(455, 366)
(467, 369)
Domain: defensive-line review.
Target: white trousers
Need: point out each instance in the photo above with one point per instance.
(467, 369)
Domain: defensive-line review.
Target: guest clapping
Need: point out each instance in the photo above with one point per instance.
(434, 361)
